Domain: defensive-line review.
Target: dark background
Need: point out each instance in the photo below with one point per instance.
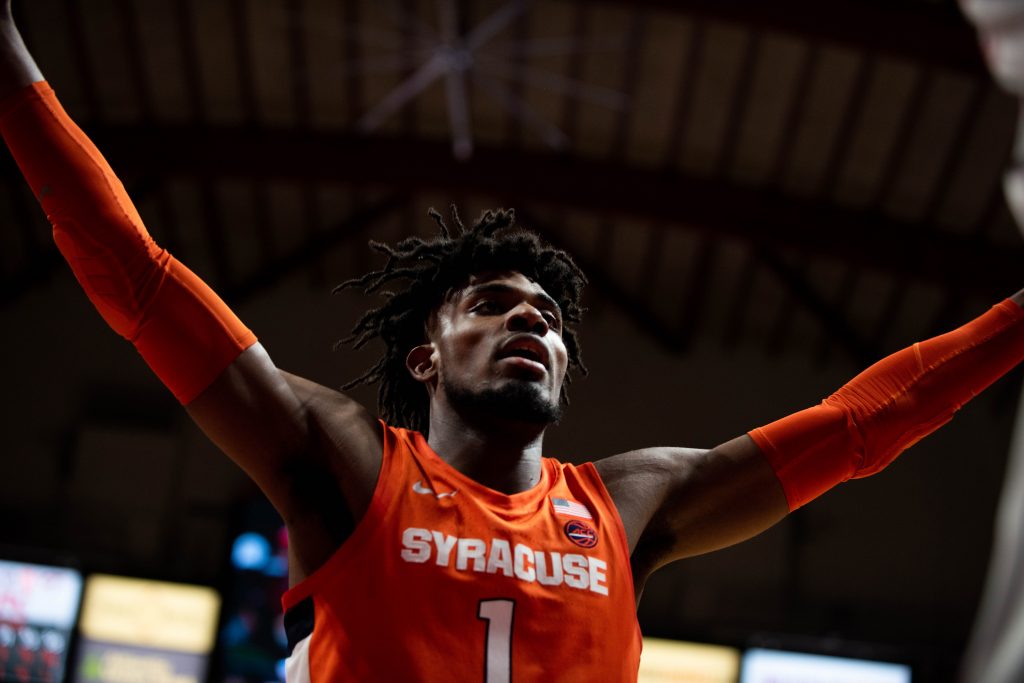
(766, 196)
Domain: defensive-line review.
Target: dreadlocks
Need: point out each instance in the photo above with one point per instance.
(435, 268)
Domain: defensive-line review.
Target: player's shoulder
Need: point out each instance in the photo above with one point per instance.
(640, 481)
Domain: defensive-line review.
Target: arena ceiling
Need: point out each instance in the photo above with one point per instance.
(799, 176)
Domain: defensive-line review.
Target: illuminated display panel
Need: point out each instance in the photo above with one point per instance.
(673, 661)
(139, 631)
(776, 666)
(38, 606)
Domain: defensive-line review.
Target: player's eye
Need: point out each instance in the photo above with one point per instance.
(485, 306)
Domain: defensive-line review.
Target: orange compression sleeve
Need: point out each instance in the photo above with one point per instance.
(861, 428)
(186, 334)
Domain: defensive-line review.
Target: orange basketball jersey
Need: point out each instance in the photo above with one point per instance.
(447, 580)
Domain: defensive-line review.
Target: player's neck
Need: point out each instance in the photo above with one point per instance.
(502, 456)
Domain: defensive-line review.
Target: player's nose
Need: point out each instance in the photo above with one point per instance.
(526, 318)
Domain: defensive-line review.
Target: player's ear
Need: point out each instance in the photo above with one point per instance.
(422, 363)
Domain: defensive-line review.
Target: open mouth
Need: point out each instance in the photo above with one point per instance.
(528, 354)
(526, 351)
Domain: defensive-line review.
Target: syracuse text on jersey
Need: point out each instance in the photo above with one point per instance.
(547, 568)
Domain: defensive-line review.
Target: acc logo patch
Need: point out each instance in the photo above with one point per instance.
(580, 533)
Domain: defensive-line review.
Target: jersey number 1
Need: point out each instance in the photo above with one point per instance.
(499, 615)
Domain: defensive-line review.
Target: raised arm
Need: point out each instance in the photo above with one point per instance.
(281, 430)
(677, 503)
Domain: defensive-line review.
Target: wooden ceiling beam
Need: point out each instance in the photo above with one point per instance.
(315, 246)
(243, 62)
(635, 31)
(739, 104)
(935, 34)
(298, 59)
(135, 57)
(574, 71)
(951, 163)
(352, 54)
(514, 129)
(861, 350)
(188, 43)
(761, 216)
(682, 107)
(895, 163)
(83, 59)
(837, 153)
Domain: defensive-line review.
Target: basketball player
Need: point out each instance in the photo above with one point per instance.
(439, 544)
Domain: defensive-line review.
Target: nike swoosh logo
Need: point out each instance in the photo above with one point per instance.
(420, 487)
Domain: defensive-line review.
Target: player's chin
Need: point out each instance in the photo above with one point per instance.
(528, 401)
(526, 383)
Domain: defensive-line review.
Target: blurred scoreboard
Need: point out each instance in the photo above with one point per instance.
(140, 631)
(673, 661)
(777, 666)
(38, 606)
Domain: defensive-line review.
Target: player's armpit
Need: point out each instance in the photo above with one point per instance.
(345, 442)
(681, 502)
(862, 427)
(313, 451)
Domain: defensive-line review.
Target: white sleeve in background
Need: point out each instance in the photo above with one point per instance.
(1001, 33)
(995, 653)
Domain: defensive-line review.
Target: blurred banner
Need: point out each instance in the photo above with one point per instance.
(38, 606)
(139, 631)
(673, 661)
(776, 666)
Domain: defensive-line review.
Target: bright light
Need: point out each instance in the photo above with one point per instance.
(773, 666)
(672, 661)
(250, 551)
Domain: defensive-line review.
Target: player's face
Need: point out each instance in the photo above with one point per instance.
(499, 347)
